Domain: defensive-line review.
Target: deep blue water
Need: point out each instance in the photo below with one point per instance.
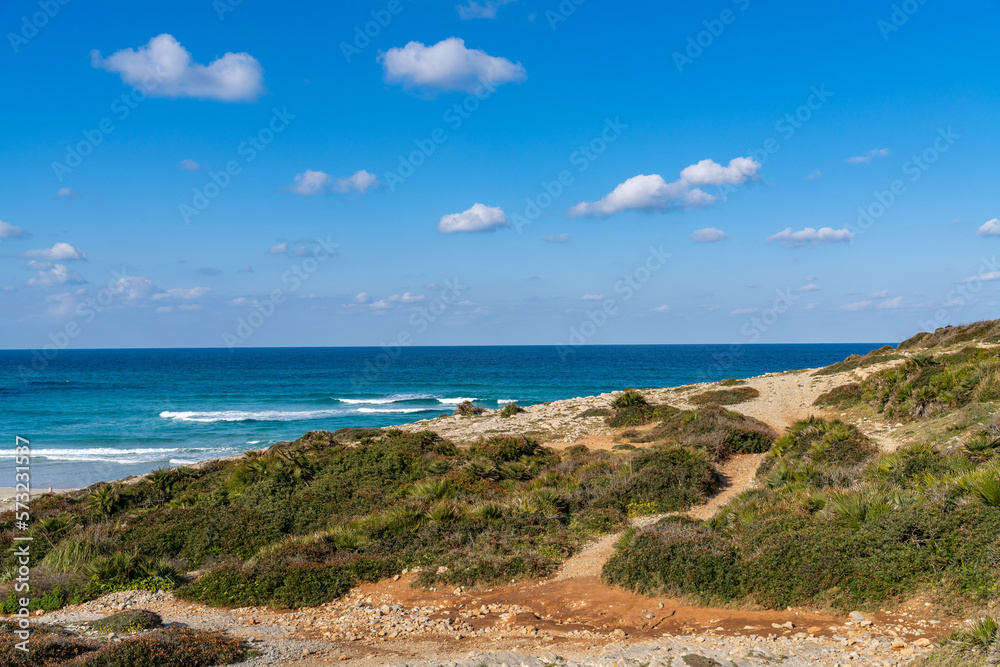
(94, 415)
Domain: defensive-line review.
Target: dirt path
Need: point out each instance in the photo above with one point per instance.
(737, 476)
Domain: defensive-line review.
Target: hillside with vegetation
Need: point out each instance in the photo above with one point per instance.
(839, 516)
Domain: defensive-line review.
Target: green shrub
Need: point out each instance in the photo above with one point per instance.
(128, 621)
(843, 396)
(628, 400)
(501, 449)
(510, 410)
(676, 558)
(287, 586)
(168, 647)
(725, 396)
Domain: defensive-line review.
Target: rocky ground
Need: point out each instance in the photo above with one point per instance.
(570, 618)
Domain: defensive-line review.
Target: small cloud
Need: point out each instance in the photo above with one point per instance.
(309, 183)
(189, 165)
(447, 66)
(867, 157)
(956, 221)
(661, 309)
(53, 274)
(480, 10)
(811, 287)
(359, 181)
(592, 297)
(815, 174)
(9, 231)
(649, 193)
(892, 303)
(811, 306)
(381, 304)
(246, 269)
(479, 218)
(466, 303)
(164, 68)
(990, 228)
(411, 298)
(209, 271)
(857, 305)
(182, 294)
(66, 193)
(558, 238)
(60, 252)
(278, 249)
(708, 235)
(812, 236)
(363, 297)
(879, 295)
(743, 311)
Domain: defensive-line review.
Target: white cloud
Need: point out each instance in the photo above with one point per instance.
(990, 228)
(189, 165)
(66, 193)
(480, 10)
(479, 218)
(892, 303)
(867, 157)
(360, 181)
(60, 252)
(815, 174)
(991, 275)
(857, 305)
(592, 297)
(134, 288)
(811, 306)
(363, 297)
(652, 193)
(810, 287)
(181, 294)
(9, 231)
(278, 249)
(661, 309)
(381, 304)
(879, 295)
(811, 236)
(411, 298)
(743, 311)
(447, 66)
(164, 68)
(558, 238)
(309, 183)
(708, 235)
(53, 274)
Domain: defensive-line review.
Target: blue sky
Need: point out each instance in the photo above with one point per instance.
(739, 138)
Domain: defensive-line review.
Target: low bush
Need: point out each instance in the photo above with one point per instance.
(843, 396)
(168, 647)
(510, 410)
(468, 409)
(725, 396)
(128, 621)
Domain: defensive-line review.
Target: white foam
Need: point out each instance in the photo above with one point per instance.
(505, 401)
(248, 415)
(455, 401)
(127, 456)
(367, 401)
(392, 411)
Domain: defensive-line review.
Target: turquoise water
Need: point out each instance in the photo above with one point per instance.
(94, 415)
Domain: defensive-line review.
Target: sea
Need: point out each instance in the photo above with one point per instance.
(100, 415)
